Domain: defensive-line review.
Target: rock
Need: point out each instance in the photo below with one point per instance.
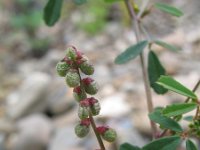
(127, 132)
(171, 62)
(2, 142)
(34, 133)
(65, 139)
(7, 126)
(29, 97)
(60, 98)
(102, 72)
(114, 106)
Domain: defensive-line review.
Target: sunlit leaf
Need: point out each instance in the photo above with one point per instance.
(165, 122)
(173, 85)
(178, 109)
(166, 143)
(190, 145)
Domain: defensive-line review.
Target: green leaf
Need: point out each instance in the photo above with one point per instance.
(52, 11)
(166, 143)
(190, 145)
(169, 9)
(127, 146)
(188, 118)
(167, 46)
(165, 122)
(178, 109)
(131, 52)
(80, 2)
(155, 70)
(171, 84)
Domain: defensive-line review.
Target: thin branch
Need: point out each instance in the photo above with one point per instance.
(144, 70)
(93, 122)
(143, 7)
(193, 90)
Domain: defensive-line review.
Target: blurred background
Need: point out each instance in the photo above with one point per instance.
(37, 109)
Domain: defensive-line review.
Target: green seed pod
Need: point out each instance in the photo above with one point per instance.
(91, 86)
(62, 68)
(110, 135)
(86, 68)
(83, 112)
(81, 130)
(71, 53)
(79, 93)
(94, 106)
(72, 78)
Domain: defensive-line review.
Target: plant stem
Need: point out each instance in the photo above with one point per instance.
(144, 70)
(193, 90)
(96, 133)
(92, 121)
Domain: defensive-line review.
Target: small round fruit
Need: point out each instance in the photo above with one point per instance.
(79, 93)
(86, 68)
(90, 85)
(83, 112)
(81, 130)
(72, 78)
(62, 68)
(110, 135)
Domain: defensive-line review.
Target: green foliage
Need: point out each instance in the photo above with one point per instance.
(80, 2)
(155, 70)
(188, 118)
(165, 122)
(31, 20)
(111, 1)
(169, 9)
(27, 17)
(167, 46)
(166, 143)
(190, 145)
(52, 11)
(173, 85)
(178, 109)
(93, 17)
(131, 52)
(127, 146)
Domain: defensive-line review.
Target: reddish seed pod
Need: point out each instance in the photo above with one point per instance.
(90, 85)
(83, 112)
(79, 93)
(94, 106)
(108, 134)
(81, 130)
(86, 68)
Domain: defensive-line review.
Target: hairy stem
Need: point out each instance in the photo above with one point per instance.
(142, 61)
(96, 133)
(93, 122)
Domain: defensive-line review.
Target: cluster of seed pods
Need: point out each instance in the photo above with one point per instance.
(70, 67)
